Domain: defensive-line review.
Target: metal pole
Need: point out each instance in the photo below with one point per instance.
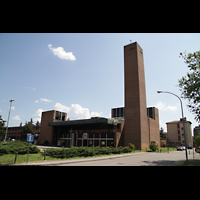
(28, 151)
(182, 119)
(15, 157)
(8, 119)
(44, 154)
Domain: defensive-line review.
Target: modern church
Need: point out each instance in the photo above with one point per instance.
(134, 123)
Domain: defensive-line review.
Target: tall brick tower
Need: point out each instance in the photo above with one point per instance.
(136, 127)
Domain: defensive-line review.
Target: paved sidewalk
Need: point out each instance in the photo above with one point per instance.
(66, 161)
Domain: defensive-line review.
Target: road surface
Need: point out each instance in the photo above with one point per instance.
(140, 159)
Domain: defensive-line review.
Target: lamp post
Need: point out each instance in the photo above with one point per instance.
(8, 118)
(182, 119)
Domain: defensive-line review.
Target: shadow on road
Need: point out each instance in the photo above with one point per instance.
(162, 163)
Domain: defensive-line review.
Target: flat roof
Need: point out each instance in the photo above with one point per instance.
(176, 122)
(82, 121)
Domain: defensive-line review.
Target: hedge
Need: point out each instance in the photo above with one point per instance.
(17, 146)
(85, 151)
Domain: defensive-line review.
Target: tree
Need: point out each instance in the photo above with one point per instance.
(190, 84)
(27, 128)
(37, 123)
(197, 140)
(2, 129)
(162, 135)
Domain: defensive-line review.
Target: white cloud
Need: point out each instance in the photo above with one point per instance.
(95, 114)
(76, 111)
(37, 115)
(33, 88)
(62, 108)
(59, 51)
(36, 101)
(46, 100)
(16, 117)
(12, 108)
(171, 108)
(163, 125)
(162, 106)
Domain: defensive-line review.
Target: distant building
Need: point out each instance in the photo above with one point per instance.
(175, 133)
(14, 132)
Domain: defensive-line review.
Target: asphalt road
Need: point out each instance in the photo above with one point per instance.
(141, 159)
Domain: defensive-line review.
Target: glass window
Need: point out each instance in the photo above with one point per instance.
(110, 135)
(96, 135)
(58, 115)
(114, 112)
(90, 135)
(63, 116)
(103, 135)
(79, 135)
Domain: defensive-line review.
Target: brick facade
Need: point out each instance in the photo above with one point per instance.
(136, 127)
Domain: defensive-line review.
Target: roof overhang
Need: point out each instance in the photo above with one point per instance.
(82, 122)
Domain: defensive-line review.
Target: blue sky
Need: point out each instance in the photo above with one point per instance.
(83, 74)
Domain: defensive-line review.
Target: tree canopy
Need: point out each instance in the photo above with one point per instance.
(190, 83)
(27, 128)
(2, 129)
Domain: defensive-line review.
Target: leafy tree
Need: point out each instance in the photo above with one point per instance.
(37, 123)
(197, 140)
(27, 128)
(190, 84)
(162, 135)
(2, 129)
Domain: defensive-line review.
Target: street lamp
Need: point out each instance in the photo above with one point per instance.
(8, 118)
(182, 119)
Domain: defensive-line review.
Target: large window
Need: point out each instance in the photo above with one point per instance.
(102, 139)
(118, 112)
(150, 112)
(60, 116)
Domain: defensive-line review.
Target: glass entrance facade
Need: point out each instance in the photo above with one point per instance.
(95, 139)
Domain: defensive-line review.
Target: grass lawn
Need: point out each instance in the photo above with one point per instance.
(22, 158)
(163, 149)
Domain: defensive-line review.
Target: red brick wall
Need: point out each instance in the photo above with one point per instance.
(45, 130)
(136, 127)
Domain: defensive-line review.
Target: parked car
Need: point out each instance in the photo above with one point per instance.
(183, 147)
(197, 149)
(179, 148)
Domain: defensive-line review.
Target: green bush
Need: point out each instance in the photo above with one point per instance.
(132, 146)
(17, 146)
(85, 151)
(153, 146)
(115, 150)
